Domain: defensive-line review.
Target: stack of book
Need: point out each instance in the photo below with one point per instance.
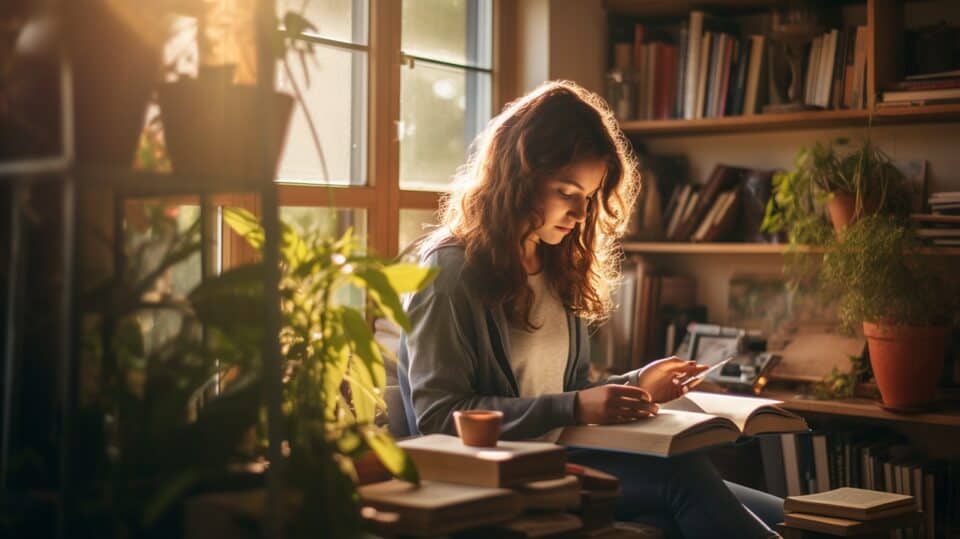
(851, 512)
(942, 225)
(812, 463)
(925, 89)
(516, 489)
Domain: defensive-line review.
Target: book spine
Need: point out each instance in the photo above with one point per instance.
(692, 68)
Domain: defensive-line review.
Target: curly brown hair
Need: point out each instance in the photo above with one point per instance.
(493, 206)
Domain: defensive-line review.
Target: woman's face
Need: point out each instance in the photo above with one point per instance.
(563, 200)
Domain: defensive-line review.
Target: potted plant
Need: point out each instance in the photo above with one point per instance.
(334, 368)
(213, 123)
(860, 182)
(835, 181)
(903, 299)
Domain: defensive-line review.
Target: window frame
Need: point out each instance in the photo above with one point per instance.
(382, 197)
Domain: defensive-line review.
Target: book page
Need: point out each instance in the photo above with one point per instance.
(735, 408)
(505, 450)
(653, 436)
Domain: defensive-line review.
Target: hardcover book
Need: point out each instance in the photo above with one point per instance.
(686, 424)
(437, 508)
(441, 457)
(852, 503)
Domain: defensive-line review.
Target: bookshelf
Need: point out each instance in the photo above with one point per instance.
(884, 21)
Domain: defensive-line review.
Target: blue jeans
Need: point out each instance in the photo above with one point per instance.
(685, 496)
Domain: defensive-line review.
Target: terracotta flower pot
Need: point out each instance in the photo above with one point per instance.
(115, 53)
(478, 428)
(907, 362)
(843, 209)
(211, 128)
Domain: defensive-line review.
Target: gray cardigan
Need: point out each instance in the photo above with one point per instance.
(455, 357)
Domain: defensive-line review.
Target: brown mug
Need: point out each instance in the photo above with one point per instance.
(478, 428)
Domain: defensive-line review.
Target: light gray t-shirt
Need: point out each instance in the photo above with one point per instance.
(539, 358)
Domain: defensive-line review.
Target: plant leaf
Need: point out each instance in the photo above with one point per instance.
(383, 295)
(409, 277)
(365, 346)
(246, 225)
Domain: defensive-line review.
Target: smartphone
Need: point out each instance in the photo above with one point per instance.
(702, 375)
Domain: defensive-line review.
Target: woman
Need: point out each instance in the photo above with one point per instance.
(528, 256)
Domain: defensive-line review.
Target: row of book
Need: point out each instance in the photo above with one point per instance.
(728, 206)
(849, 511)
(924, 89)
(808, 463)
(942, 225)
(836, 69)
(706, 68)
(653, 312)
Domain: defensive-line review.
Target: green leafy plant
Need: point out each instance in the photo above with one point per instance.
(841, 384)
(877, 273)
(335, 367)
(827, 170)
(148, 361)
(796, 208)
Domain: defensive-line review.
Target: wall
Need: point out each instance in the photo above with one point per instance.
(560, 39)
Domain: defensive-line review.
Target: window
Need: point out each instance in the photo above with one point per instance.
(445, 87)
(396, 90)
(326, 141)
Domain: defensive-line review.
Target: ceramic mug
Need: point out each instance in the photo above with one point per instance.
(478, 428)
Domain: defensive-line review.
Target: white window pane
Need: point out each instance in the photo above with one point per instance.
(335, 92)
(441, 109)
(343, 20)
(414, 223)
(457, 31)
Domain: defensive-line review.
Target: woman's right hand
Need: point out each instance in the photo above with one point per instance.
(613, 403)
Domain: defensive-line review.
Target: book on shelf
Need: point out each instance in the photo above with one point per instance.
(932, 84)
(935, 218)
(692, 422)
(933, 94)
(439, 508)
(442, 457)
(938, 232)
(723, 177)
(753, 90)
(852, 503)
(848, 527)
(933, 76)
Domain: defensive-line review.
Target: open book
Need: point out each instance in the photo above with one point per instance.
(691, 422)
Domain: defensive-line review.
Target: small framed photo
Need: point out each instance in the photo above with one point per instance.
(709, 346)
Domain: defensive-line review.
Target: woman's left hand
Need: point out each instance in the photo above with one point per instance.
(663, 378)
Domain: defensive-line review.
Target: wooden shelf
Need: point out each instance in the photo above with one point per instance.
(809, 119)
(865, 408)
(733, 248)
(703, 248)
(680, 8)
